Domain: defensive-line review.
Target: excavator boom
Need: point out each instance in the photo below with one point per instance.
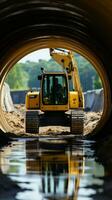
(68, 62)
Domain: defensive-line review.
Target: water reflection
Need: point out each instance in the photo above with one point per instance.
(54, 171)
(60, 171)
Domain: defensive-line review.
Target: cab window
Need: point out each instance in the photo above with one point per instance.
(55, 90)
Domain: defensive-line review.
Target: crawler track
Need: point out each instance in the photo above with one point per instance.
(77, 122)
(31, 122)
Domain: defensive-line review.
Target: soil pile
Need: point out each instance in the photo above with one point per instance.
(16, 121)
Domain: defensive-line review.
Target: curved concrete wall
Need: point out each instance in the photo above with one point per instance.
(82, 25)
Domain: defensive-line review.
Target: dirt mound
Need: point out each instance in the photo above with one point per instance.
(16, 121)
(91, 120)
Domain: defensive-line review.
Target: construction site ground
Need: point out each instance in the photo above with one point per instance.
(16, 121)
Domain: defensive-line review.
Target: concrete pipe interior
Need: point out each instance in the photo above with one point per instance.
(79, 26)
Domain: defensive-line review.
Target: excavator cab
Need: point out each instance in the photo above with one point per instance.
(54, 89)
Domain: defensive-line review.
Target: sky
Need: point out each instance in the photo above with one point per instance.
(36, 55)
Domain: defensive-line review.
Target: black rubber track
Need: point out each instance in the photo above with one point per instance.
(31, 122)
(77, 122)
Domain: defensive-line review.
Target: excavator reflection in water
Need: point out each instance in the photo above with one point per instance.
(55, 170)
(60, 171)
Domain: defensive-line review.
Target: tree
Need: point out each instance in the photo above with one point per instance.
(24, 75)
(97, 83)
(17, 78)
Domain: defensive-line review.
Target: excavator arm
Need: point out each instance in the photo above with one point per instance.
(68, 62)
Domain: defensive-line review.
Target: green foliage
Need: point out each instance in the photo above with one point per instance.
(17, 77)
(88, 75)
(24, 75)
(97, 83)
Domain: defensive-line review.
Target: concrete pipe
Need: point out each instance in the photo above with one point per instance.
(81, 25)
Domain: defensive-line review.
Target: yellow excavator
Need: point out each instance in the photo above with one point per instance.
(60, 100)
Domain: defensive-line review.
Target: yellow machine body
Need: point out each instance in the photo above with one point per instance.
(32, 100)
(73, 100)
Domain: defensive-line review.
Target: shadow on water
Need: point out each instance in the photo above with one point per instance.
(54, 170)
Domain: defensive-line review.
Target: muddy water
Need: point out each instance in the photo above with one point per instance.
(51, 170)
